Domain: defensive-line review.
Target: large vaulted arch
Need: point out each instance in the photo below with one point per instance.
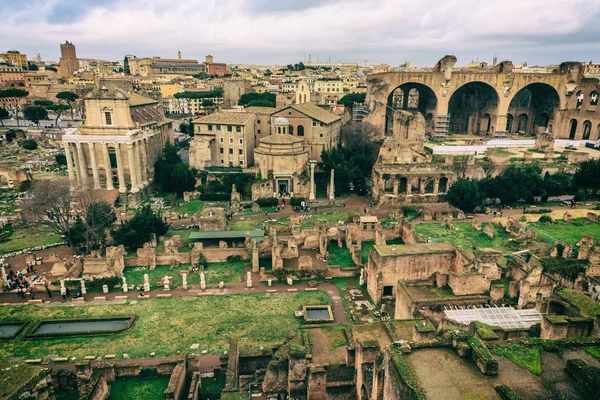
(473, 109)
(539, 101)
(413, 97)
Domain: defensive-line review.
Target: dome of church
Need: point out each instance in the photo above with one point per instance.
(281, 121)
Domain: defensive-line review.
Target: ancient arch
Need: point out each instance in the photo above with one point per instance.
(469, 104)
(389, 185)
(413, 97)
(539, 101)
(587, 130)
(573, 129)
(402, 185)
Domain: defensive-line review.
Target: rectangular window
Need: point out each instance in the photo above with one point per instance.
(108, 118)
(258, 131)
(229, 128)
(221, 140)
(258, 121)
(241, 152)
(241, 141)
(321, 135)
(238, 129)
(218, 127)
(221, 150)
(241, 162)
(231, 151)
(314, 123)
(222, 162)
(230, 140)
(210, 127)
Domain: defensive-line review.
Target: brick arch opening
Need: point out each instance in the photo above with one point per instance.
(539, 101)
(471, 104)
(413, 97)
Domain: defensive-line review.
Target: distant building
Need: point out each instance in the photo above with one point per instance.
(233, 90)
(213, 68)
(223, 139)
(69, 63)
(15, 58)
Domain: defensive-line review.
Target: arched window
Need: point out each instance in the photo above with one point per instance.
(580, 97)
(522, 123)
(278, 129)
(573, 130)
(291, 130)
(509, 123)
(300, 130)
(594, 98)
(587, 130)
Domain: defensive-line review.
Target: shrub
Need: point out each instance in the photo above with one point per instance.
(29, 144)
(545, 219)
(268, 202)
(25, 185)
(215, 196)
(296, 201)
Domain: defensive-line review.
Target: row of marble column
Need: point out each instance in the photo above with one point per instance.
(136, 156)
(313, 195)
(422, 184)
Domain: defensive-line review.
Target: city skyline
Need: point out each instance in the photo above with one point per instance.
(266, 32)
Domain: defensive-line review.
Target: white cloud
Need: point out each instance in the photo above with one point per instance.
(257, 31)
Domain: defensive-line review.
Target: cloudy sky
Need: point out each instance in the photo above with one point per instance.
(286, 31)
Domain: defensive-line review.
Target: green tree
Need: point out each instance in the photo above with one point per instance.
(58, 109)
(99, 216)
(69, 97)
(31, 66)
(14, 93)
(126, 66)
(35, 114)
(199, 95)
(60, 159)
(139, 229)
(29, 144)
(201, 75)
(208, 103)
(4, 114)
(354, 160)
(50, 68)
(246, 98)
(587, 177)
(465, 194)
(43, 103)
(351, 98)
(171, 174)
(261, 103)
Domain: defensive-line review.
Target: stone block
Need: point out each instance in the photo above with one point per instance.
(100, 298)
(163, 295)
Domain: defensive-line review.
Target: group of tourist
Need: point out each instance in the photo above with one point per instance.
(19, 282)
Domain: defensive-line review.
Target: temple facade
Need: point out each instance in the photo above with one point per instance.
(109, 151)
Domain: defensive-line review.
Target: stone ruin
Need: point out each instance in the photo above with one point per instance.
(518, 230)
(236, 198)
(544, 141)
(111, 265)
(489, 230)
(189, 196)
(147, 255)
(212, 219)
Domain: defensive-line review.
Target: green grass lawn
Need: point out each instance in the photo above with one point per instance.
(330, 218)
(403, 330)
(214, 273)
(228, 271)
(213, 387)
(34, 236)
(594, 352)
(246, 225)
(184, 233)
(527, 357)
(464, 236)
(568, 233)
(169, 326)
(188, 208)
(137, 388)
(340, 256)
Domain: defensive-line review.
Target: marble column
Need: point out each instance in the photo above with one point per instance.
(408, 186)
(107, 167)
(395, 187)
(72, 176)
(132, 169)
(82, 164)
(331, 186)
(144, 159)
(312, 195)
(436, 186)
(421, 186)
(120, 169)
(92, 147)
(138, 165)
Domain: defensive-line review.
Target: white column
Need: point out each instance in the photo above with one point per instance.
(72, 176)
(107, 167)
(312, 195)
(331, 186)
(82, 164)
(138, 164)
(94, 165)
(132, 169)
(120, 171)
(144, 161)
